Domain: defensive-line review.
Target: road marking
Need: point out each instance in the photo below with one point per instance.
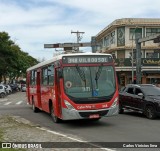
(3, 100)
(13, 103)
(74, 139)
(19, 102)
(7, 103)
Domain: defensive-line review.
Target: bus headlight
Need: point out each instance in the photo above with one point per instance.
(69, 106)
(115, 102)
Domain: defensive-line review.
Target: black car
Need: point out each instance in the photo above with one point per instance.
(14, 87)
(140, 97)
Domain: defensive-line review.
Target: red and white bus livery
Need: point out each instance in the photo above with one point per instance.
(74, 86)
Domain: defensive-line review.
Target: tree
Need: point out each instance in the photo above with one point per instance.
(13, 61)
(5, 53)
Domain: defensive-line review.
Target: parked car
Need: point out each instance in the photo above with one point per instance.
(8, 89)
(140, 97)
(23, 89)
(14, 87)
(2, 91)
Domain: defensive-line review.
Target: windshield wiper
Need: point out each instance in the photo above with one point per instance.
(81, 74)
(98, 73)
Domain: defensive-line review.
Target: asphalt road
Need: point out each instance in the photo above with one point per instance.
(128, 127)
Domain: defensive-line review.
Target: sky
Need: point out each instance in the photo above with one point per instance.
(33, 23)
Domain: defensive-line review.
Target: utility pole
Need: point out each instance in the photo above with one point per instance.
(78, 37)
(138, 62)
(133, 35)
(138, 56)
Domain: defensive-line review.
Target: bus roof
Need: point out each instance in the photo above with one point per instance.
(60, 57)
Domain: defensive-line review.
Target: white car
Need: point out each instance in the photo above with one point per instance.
(23, 89)
(3, 91)
(8, 89)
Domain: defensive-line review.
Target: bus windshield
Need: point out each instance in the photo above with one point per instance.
(89, 82)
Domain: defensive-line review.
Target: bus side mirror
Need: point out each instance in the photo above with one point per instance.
(60, 73)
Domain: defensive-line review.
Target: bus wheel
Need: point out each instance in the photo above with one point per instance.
(34, 108)
(53, 116)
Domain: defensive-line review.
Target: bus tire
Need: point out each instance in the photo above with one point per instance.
(34, 108)
(53, 116)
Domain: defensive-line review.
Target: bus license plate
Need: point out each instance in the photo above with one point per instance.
(94, 116)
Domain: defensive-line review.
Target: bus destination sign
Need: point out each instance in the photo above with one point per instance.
(86, 59)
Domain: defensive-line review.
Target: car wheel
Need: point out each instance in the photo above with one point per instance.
(121, 110)
(53, 116)
(150, 112)
(2, 95)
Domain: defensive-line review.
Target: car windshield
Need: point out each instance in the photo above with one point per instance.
(89, 82)
(150, 91)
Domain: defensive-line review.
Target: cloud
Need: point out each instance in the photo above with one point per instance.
(33, 23)
(12, 15)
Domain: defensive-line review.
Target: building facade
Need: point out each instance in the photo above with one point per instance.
(118, 39)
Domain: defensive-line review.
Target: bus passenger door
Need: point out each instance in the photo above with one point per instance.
(39, 90)
(58, 92)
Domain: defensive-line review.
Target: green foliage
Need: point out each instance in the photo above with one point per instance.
(13, 61)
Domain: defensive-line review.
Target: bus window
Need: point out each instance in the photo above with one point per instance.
(33, 77)
(51, 75)
(44, 76)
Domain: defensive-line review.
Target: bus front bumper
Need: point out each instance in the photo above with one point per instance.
(85, 114)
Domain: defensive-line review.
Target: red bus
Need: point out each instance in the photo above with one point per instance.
(74, 86)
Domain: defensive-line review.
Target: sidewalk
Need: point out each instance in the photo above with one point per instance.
(16, 129)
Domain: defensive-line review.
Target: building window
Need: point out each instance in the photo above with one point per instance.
(121, 36)
(134, 54)
(152, 31)
(135, 31)
(152, 55)
(112, 41)
(106, 41)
